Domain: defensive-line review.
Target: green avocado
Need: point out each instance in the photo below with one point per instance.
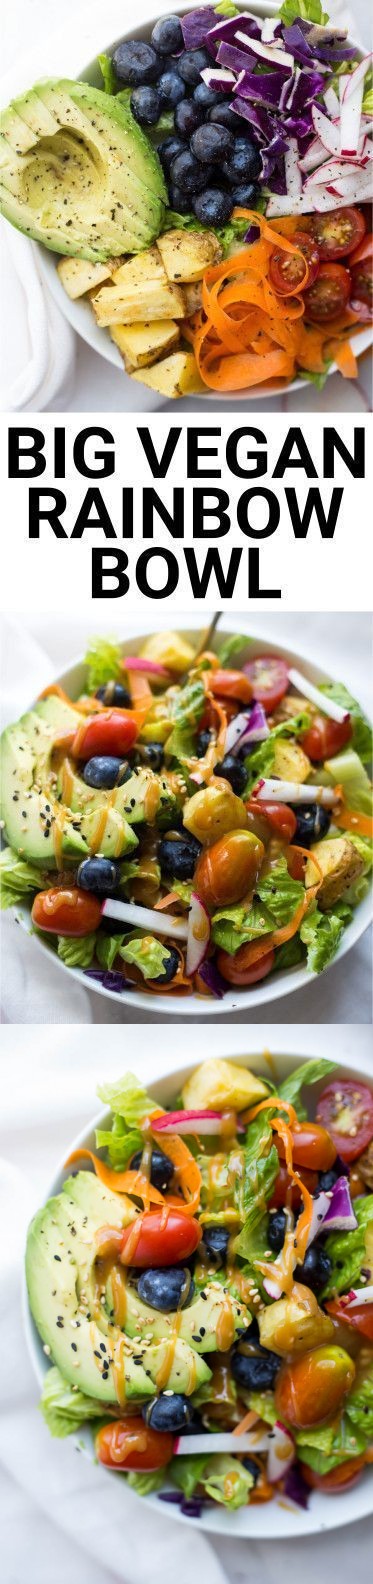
(198, 1322)
(78, 173)
(129, 800)
(70, 1308)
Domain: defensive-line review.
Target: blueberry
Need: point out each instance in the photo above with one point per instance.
(150, 754)
(202, 744)
(167, 36)
(191, 63)
(179, 200)
(203, 95)
(146, 106)
(166, 1289)
(276, 1230)
(211, 143)
(255, 1371)
(213, 207)
(216, 1239)
(161, 1169)
(244, 195)
(312, 824)
(328, 1178)
(187, 173)
(188, 116)
(224, 115)
(243, 162)
(178, 858)
(136, 63)
(168, 150)
(170, 967)
(251, 1332)
(169, 1411)
(316, 1268)
(104, 771)
(195, 1424)
(234, 771)
(171, 88)
(252, 1468)
(114, 693)
(98, 874)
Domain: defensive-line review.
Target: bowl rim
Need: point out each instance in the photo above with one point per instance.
(324, 1507)
(284, 983)
(79, 314)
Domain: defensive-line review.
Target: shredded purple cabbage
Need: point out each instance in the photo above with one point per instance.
(109, 978)
(213, 979)
(295, 1486)
(265, 89)
(196, 25)
(225, 29)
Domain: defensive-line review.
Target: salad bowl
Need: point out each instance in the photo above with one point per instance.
(281, 983)
(281, 1518)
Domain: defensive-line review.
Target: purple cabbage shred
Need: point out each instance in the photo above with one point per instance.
(109, 978)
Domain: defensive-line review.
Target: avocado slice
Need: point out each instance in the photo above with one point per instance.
(199, 1321)
(78, 173)
(68, 1305)
(135, 800)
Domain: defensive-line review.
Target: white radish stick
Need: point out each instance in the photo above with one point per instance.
(146, 918)
(323, 703)
(273, 791)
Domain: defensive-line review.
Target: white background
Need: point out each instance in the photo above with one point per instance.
(339, 642)
(62, 1518)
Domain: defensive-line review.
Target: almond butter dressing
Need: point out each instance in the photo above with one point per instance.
(225, 1327)
(167, 1351)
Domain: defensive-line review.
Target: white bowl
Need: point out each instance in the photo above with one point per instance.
(72, 680)
(278, 1519)
(80, 313)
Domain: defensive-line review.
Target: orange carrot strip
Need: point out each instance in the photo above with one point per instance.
(186, 1169)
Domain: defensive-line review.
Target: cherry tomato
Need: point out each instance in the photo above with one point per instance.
(229, 869)
(280, 817)
(231, 685)
(329, 294)
(361, 1318)
(110, 732)
(287, 1193)
(243, 968)
(363, 251)
(338, 233)
(269, 678)
(287, 271)
(131, 1444)
(346, 1109)
(338, 1479)
(66, 910)
(312, 1146)
(311, 1388)
(326, 737)
(158, 1239)
(362, 287)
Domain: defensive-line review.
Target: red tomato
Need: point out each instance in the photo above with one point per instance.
(269, 678)
(131, 1444)
(231, 685)
(287, 271)
(338, 233)
(287, 1193)
(110, 732)
(329, 294)
(363, 251)
(312, 1146)
(326, 737)
(280, 817)
(362, 286)
(311, 1388)
(243, 968)
(66, 910)
(157, 1238)
(346, 1109)
(361, 1318)
(338, 1479)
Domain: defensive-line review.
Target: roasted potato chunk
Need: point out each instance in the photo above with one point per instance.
(192, 297)
(186, 254)
(78, 276)
(174, 376)
(340, 864)
(153, 300)
(294, 1324)
(141, 344)
(142, 266)
(290, 763)
(365, 1165)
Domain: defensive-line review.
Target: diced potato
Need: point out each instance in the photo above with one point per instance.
(170, 650)
(174, 376)
(192, 297)
(141, 344)
(79, 276)
(340, 864)
(213, 812)
(142, 266)
(290, 763)
(218, 1085)
(366, 1165)
(117, 304)
(294, 1324)
(186, 254)
(290, 706)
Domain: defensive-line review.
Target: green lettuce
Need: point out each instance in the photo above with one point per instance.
(102, 660)
(187, 711)
(280, 894)
(77, 952)
(309, 1072)
(322, 933)
(127, 1099)
(290, 954)
(233, 231)
(260, 1172)
(362, 731)
(263, 1403)
(18, 878)
(145, 1484)
(346, 768)
(232, 646)
(107, 949)
(119, 1142)
(108, 74)
(148, 954)
(212, 1473)
(234, 926)
(308, 10)
(261, 761)
(64, 1408)
(226, 9)
(347, 1251)
(327, 1446)
(360, 1400)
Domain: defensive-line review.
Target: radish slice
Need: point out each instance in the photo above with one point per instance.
(275, 57)
(350, 117)
(326, 705)
(340, 1216)
(272, 1287)
(271, 790)
(146, 919)
(281, 1452)
(250, 726)
(293, 175)
(331, 102)
(198, 935)
(325, 130)
(320, 1207)
(222, 1441)
(235, 730)
(217, 78)
(314, 156)
(149, 667)
(185, 1122)
(360, 1295)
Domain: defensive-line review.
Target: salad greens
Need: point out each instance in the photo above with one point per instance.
(348, 1252)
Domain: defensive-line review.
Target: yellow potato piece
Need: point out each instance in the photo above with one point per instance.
(340, 864)
(141, 344)
(142, 266)
(171, 650)
(119, 304)
(79, 276)
(290, 763)
(176, 375)
(187, 254)
(222, 1085)
(294, 1324)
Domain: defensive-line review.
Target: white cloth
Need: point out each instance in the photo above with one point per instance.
(63, 1518)
(46, 366)
(34, 989)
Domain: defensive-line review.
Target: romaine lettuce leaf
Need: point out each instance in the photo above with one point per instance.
(347, 1251)
(127, 1099)
(280, 894)
(360, 1399)
(309, 1072)
(18, 878)
(146, 1483)
(326, 1446)
(77, 952)
(120, 1143)
(362, 731)
(260, 1171)
(263, 1403)
(103, 663)
(63, 1408)
(148, 953)
(107, 949)
(322, 932)
(290, 954)
(212, 1473)
(308, 10)
(235, 925)
(187, 710)
(232, 646)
